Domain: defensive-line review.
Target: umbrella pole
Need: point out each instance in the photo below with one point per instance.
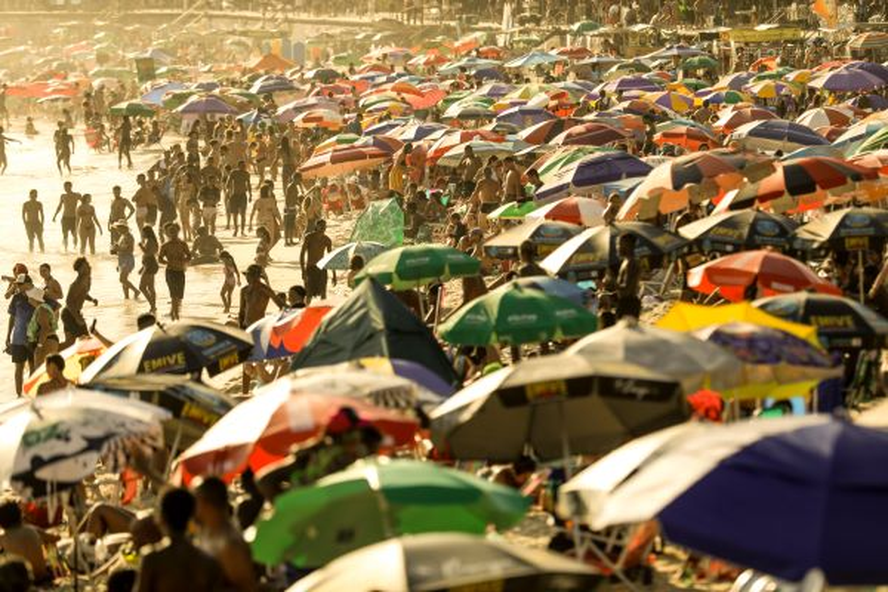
(860, 275)
(173, 451)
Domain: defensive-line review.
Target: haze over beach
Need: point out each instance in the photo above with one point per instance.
(414, 295)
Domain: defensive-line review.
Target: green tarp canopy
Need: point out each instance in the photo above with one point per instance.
(373, 322)
(382, 222)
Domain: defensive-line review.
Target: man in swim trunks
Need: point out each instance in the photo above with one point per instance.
(68, 204)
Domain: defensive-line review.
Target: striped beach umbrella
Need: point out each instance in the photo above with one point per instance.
(591, 134)
(591, 171)
(775, 134)
(343, 160)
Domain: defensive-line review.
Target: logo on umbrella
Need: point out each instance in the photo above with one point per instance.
(201, 338)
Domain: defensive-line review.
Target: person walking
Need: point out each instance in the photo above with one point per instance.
(175, 254)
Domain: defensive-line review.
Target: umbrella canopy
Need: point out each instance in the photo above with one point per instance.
(590, 134)
(686, 359)
(512, 210)
(877, 141)
(373, 501)
(774, 134)
(546, 131)
(483, 149)
(533, 59)
(340, 257)
(684, 316)
(691, 138)
(739, 231)
(850, 229)
(77, 357)
(590, 253)
(825, 116)
(524, 116)
(782, 496)
(515, 315)
(194, 407)
(573, 210)
(373, 322)
(546, 236)
(679, 50)
(731, 119)
(179, 348)
(585, 175)
(283, 334)
(381, 222)
(264, 428)
(133, 109)
(418, 265)
(734, 276)
(847, 80)
(343, 160)
(559, 405)
(206, 105)
(357, 379)
(445, 561)
(841, 322)
(53, 442)
(555, 287)
(878, 159)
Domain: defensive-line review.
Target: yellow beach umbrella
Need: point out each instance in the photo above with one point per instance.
(689, 317)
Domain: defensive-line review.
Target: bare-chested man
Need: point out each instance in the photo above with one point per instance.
(316, 245)
(176, 255)
(3, 141)
(241, 194)
(467, 170)
(68, 203)
(52, 289)
(144, 199)
(24, 540)
(32, 217)
(513, 190)
(485, 198)
(78, 293)
(64, 147)
(121, 211)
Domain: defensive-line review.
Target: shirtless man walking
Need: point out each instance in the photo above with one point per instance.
(68, 202)
(485, 197)
(241, 193)
(33, 218)
(175, 254)
(3, 141)
(78, 293)
(64, 147)
(316, 245)
(121, 211)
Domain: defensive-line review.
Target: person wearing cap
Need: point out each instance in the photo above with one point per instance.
(17, 270)
(20, 312)
(42, 332)
(125, 248)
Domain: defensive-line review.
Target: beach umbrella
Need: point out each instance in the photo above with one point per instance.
(452, 138)
(847, 80)
(684, 316)
(767, 272)
(590, 253)
(734, 118)
(173, 99)
(263, 429)
(133, 109)
(775, 135)
(324, 75)
(177, 348)
(469, 109)
(513, 315)
(418, 265)
(384, 127)
(877, 159)
(337, 141)
(627, 83)
(574, 52)
(445, 561)
(825, 116)
(483, 149)
(719, 97)
(691, 138)
(418, 131)
(512, 210)
(850, 229)
(874, 68)
(77, 357)
(543, 234)
(51, 443)
(342, 161)
(523, 116)
(533, 59)
(739, 231)
(353, 379)
(255, 117)
(782, 496)
(626, 69)
(273, 85)
(700, 62)
(382, 221)
(574, 210)
(584, 28)
(429, 383)
(671, 100)
(679, 50)
(205, 105)
(587, 174)
(735, 80)
(469, 63)
(802, 183)
(776, 363)
(319, 118)
(378, 500)
(841, 322)
(771, 89)
(555, 287)
(599, 61)
(340, 257)
(546, 131)
(872, 40)
(283, 334)
(155, 95)
(590, 134)
(193, 406)
(557, 405)
(684, 358)
(877, 141)
(494, 90)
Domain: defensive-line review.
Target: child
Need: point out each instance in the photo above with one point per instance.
(232, 279)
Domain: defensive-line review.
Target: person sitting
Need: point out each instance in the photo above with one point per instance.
(24, 540)
(516, 474)
(55, 369)
(30, 128)
(206, 247)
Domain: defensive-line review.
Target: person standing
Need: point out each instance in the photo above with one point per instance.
(628, 278)
(126, 260)
(124, 142)
(3, 141)
(145, 200)
(20, 312)
(121, 211)
(64, 147)
(68, 202)
(87, 222)
(292, 206)
(43, 339)
(33, 218)
(150, 266)
(78, 293)
(175, 254)
(241, 193)
(266, 213)
(52, 289)
(316, 245)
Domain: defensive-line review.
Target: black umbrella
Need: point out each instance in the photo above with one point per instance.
(545, 235)
(180, 348)
(841, 322)
(739, 231)
(194, 406)
(590, 253)
(559, 405)
(851, 229)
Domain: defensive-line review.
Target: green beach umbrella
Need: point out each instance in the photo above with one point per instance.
(770, 75)
(418, 265)
(514, 315)
(373, 501)
(381, 222)
(177, 98)
(694, 83)
(584, 27)
(133, 109)
(877, 141)
(513, 210)
(456, 96)
(701, 62)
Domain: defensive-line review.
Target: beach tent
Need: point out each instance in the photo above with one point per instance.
(382, 222)
(373, 322)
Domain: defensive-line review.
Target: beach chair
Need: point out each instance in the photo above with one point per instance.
(622, 552)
